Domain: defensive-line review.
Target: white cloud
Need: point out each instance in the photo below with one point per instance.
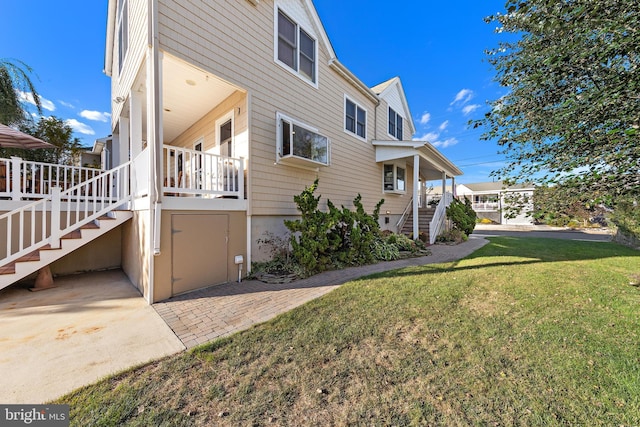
(425, 118)
(463, 96)
(80, 127)
(429, 136)
(443, 125)
(66, 104)
(434, 139)
(96, 116)
(446, 143)
(468, 109)
(28, 97)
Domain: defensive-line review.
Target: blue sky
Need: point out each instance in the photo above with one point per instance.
(435, 47)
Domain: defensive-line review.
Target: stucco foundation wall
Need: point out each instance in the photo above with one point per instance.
(236, 245)
(135, 250)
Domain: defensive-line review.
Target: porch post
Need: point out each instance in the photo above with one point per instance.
(416, 195)
(444, 183)
(15, 175)
(453, 187)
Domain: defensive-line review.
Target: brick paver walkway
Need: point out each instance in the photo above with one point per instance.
(204, 315)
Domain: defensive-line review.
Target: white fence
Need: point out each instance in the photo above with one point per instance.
(23, 179)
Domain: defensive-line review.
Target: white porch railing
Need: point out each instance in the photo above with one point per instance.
(404, 216)
(439, 217)
(45, 221)
(25, 179)
(485, 206)
(196, 173)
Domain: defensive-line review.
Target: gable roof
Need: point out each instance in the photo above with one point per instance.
(496, 186)
(385, 91)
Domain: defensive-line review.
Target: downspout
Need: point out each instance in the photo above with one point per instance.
(416, 195)
(154, 131)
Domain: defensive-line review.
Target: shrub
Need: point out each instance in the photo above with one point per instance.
(325, 240)
(452, 236)
(462, 215)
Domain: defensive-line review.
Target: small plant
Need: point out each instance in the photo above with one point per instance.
(453, 236)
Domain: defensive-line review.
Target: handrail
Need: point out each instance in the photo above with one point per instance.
(68, 211)
(439, 217)
(30, 179)
(404, 216)
(196, 172)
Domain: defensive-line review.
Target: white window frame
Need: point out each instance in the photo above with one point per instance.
(217, 148)
(389, 109)
(396, 189)
(295, 71)
(366, 115)
(292, 159)
(123, 32)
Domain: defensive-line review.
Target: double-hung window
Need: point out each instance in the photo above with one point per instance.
(394, 178)
(395, 124)
(296, 48)
(300, 144)
(355, 119)
(123, 32)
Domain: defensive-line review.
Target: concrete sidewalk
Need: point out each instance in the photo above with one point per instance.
(217, 311)
(89, 326)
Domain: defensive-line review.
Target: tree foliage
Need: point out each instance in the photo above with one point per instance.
(54, 131)
(14, 76)
(572, 111)
(462, 215)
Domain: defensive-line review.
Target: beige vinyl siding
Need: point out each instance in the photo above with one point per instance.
(206, 126)
(209, 36)
(136, 54)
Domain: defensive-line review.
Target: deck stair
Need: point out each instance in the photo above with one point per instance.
(45, 230)
(425, 215)
(42, 257)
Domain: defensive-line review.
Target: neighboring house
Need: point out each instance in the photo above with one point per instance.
(224, 111)
(492, 200)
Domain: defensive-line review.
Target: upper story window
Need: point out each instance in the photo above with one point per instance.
(123, 31)
(395, 124)
(300, 144)
(296, 48)
(355, 118)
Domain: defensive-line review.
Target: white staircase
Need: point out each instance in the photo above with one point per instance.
(44, 231)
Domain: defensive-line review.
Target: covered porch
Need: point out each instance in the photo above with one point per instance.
(199, 125)
(428, 164)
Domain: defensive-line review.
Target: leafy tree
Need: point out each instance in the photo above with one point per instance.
(54, 131)
(572, 111)
(14, 76)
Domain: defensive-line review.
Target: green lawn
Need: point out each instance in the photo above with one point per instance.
(522, 332)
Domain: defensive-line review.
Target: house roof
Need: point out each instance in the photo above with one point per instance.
(432, 162)
(384, 89)
(496, 186)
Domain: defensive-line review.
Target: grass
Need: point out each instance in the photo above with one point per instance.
(523, 332)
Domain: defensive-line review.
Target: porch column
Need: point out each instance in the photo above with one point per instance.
(453, 187)
(416, 195)
(135, 113)
(444, 183)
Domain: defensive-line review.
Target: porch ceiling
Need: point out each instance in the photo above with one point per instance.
(432, 162)
(188, 94)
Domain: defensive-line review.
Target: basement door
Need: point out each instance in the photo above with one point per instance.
(198, 251)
